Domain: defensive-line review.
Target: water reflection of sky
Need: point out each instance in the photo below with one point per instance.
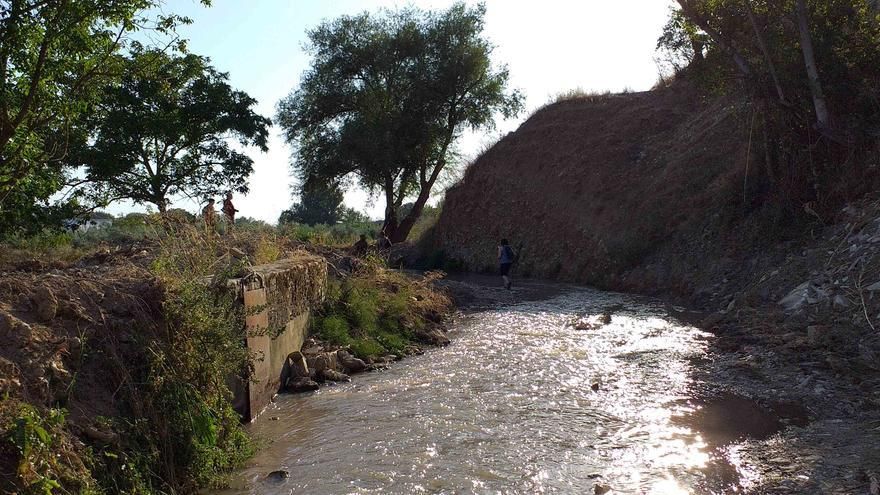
(508, 408)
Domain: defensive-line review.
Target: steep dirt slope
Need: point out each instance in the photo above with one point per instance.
(647, 193)
(590, 186)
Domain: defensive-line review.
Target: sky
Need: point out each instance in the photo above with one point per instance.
(550, 47)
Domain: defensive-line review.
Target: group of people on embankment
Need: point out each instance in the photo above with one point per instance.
(209, 214)
(362, 247)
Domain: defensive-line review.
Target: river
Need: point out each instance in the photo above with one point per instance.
(525, 400)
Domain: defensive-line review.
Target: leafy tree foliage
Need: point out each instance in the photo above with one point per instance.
(387, 96)
(54, 57)
(811, 68)
(320, 204)
(164, 130)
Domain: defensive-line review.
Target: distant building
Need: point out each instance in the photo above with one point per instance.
(94, 222)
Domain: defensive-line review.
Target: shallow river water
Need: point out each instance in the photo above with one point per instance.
(520, 402)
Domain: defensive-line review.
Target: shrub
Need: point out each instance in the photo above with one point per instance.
(39, 445)
(334, 329)
(365, 348)
(376, 310)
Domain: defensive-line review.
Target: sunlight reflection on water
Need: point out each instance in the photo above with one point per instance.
(507, 408)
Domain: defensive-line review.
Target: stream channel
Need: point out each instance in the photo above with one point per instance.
(524, 400)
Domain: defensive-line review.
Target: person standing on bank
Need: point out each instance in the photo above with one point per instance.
(505, 261)
(210, 217)
(229, 210)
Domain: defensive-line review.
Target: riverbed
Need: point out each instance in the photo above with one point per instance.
(539, 392)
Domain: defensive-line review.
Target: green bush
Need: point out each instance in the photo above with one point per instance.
(38, 446)
(200, 435)
(42, 241)
(365, 348)
(334, 329)
(363, 309)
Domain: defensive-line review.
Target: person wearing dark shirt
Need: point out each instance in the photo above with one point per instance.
(360, 247)
(506, 257)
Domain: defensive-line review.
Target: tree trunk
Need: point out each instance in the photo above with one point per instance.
(389, 226)
(697, 46)
(412, 217)
(762, 44)
(819, 102)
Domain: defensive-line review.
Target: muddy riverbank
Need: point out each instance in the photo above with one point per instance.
(536, 394)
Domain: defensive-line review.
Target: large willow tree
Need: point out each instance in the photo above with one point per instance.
(386, 97)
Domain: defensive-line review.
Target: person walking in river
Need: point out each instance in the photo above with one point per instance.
(506, 257)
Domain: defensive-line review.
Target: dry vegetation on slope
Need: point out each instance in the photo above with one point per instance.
(591, 185)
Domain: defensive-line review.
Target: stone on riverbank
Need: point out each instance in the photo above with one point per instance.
(349, 362)
(298, 366)
(432, 336)
(335, 376)
(301, 384)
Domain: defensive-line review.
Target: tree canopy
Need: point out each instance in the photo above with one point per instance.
(386, 97)
(811, 69)
(165, 129)
(320, 203)
(54, 57)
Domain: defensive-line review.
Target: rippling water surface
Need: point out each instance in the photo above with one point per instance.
(509, 407)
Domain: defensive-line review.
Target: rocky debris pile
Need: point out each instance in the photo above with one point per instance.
(821, 304)
(319, 364)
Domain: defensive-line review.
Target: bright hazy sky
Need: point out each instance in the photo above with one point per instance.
(550, 46)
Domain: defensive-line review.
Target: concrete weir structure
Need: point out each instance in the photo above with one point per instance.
(278, 299)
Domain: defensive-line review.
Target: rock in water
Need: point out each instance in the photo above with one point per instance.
(279, 475)
(433, 336)
(297, 363)
(301, 384)
(335, 376)
(605, 319)
(321, 362)
(350, 363)
(601, 489)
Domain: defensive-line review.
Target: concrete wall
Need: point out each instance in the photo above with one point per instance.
(278, 299)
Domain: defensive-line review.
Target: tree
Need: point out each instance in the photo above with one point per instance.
(320, 203)
(165, 129)
(54, 55)
(806, 38)
(386, 97)
(806, 66)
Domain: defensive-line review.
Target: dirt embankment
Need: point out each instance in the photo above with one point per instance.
(589, 186)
